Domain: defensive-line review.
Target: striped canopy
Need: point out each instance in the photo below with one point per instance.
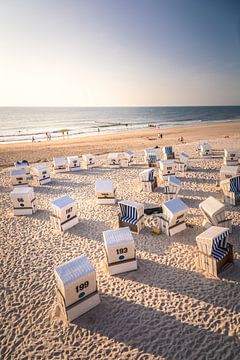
(128, 213)
(235, 185)
(168, 150)
(219, 246)
(152, 157)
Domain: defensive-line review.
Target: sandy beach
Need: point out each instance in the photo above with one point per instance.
(167, 309)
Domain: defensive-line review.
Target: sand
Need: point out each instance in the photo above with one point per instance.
(167, 309)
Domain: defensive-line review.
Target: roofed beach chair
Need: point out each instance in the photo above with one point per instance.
(105, 192)
(24, 201)
(172, 220)
(23, 165)
(76, 287)
(59, 164)
(73, 163)
(130, 157)
(181, 164)
(205, 150)
(132, 215)
(214, 213)
(166, 168)
(148, 182)
(172, 187)
(120, 250)
(151, 157)
(114, 160)
(168, 153)
(88, 161)
(19, 178)
(227, 172)
(231, 190)
(201, 142)
(214, 250)
(230, 157)
(64, 213)
(41, 174)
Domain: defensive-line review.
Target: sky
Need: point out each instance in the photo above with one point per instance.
(119, 52)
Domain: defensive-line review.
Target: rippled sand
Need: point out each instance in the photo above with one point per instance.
(167, 309)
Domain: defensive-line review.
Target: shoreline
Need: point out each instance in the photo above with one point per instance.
(119, 141)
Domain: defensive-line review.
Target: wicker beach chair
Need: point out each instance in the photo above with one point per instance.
(132, 215)
(214, 213)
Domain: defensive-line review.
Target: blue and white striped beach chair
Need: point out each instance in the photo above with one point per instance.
(168, 152)
(214, 249)
(231, 190)
(148, 182)
(132, 215)
(172, 187)
(151, 157)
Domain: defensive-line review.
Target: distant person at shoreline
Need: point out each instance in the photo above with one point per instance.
(48, 135)
(98, 130)
(33, 139)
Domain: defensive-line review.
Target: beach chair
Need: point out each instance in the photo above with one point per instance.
(105, 192)
(230, 157)
(59, 165)
(166, 168)
(114, 160)
(24, 201)
(227, 172)
(181, 164)
(231, 190)
(201, 142)
(168, 153)
(64, 213)
(214, 213)
(172, 187)
(169, 219)
(73, 163)
(205, 150)
(41, 174)
(151, 157)
(120, 251)
(132, 215)
(88, 161)
(23, 165)
(148, 182)
(130, 157)
(76, 287)
(19, 178)
(214, 250)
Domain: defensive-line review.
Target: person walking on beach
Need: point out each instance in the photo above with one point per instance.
(33, 139)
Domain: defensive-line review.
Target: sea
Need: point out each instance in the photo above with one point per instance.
(24, 124)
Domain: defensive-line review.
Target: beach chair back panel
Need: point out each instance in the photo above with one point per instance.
(152, 158)
(168, 150)
(129, 214)
(219, 246)
(235, 185)
(151, 175)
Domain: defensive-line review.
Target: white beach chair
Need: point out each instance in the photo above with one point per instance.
(132, 215)
(64, 213)
(120, 250)
(23, 165)
(151, 157)
(19, 178)
(227, 172)
(59, 164)
(166, 168)
(201, 142)
(230, 157)
(105, 192)
(170, 219)
(148, 182)
(76, 287)
(41, 174)
(205, 150)
(114, 160)
(214, 249)
(181, 164)
(214, 213)
(168, 153)
(130, 157)
(73, 163)
(231, 190)
(172, 187)
(23, 200)
(88, 161)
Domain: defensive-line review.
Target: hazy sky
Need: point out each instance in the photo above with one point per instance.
(119, 52)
